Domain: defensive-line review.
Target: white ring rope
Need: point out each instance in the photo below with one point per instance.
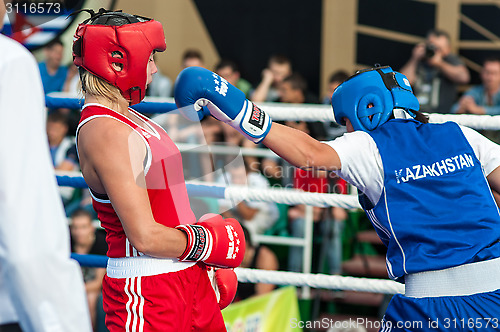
(298, 112)
(319, 281)
(225, 150)
(324, 113)
(287, 196)
(292, 197)
(274, 195)
(479, 122)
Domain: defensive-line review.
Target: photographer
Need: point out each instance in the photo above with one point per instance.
(435, 73)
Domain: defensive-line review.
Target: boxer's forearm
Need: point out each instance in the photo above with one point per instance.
(300, 149)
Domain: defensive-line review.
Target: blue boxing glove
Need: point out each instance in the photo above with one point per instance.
(210, 93)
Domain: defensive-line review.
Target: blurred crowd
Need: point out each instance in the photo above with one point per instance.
(440, 80)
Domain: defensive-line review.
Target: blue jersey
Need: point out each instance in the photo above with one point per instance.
(436, 209)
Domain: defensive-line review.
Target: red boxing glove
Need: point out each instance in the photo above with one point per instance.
(225, 284)
(215, 241)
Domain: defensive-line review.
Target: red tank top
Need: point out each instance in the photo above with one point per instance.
(164, 181)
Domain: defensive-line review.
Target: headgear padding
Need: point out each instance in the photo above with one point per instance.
(368, 98)
(123, 39)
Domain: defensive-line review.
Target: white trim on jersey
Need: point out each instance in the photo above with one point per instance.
(388, 266)
(127, 247)
(104, 201)
(149, 154)
(392, 231)
(377, 223)
(141, 117)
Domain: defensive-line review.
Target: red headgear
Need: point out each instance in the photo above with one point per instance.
(106, 40)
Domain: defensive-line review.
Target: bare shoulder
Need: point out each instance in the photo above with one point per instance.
(102, 129)
(109, 151)
(105, 137)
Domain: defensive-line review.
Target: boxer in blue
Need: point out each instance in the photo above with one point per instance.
(425, 187)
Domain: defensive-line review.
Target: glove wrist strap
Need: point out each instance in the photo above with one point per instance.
(255, 123)
(199, 244)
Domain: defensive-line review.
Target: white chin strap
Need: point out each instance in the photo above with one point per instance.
(400, 113)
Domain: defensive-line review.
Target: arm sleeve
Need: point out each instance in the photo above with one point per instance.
(492, 110)
(361, 163)
(486, 151)
(454, 60)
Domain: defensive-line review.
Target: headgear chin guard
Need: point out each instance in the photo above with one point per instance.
(368, 98)
(124, 40)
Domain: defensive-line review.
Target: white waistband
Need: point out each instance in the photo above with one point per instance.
(463, 280)
(129, 267)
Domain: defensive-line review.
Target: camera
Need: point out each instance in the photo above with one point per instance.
(430, 51)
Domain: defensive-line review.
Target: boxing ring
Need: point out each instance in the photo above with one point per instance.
(280, 112)
(307, 280)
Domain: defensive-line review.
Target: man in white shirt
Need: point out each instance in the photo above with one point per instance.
(41, 288)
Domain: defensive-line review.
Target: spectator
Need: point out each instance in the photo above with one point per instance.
(333, 130)
(435, 73)
(85, 239)
(161, 86)
(62, 150)
(72, 83)
(279, 67)
(336, 78)
(293, 89)
(327, 228)
(333, 237)
(257, 217)
(297, 224)
(484, 98)
(256, 257)
(53, 74)
(192, 58)
(230, 71)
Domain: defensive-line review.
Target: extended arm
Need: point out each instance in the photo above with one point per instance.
(300, 149)
(225, 102)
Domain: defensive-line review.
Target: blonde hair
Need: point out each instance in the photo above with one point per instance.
(97, 87)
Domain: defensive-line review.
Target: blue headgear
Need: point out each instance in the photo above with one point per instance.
(380, 87)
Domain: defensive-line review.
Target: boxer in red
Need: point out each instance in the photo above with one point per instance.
(157, 276)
